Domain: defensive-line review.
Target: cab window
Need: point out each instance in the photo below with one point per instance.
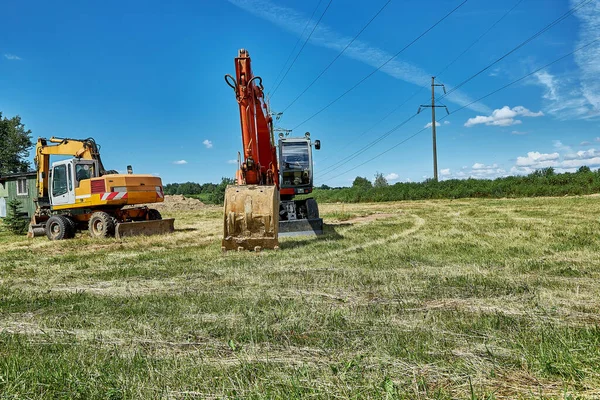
(83, 171)
(59, 180)
(295, 168)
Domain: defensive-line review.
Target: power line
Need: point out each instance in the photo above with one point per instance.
(373, 143)
(297, 42)
(536, 35)
(381, 66)
(417, 92)
(302, 48)
(467, 105)
(339, 55)
(479, 38)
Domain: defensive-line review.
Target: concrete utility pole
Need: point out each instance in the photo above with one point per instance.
(433, 122)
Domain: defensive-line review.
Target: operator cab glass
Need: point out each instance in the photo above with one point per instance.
(59, 180)
(84, 170)
(295, 164)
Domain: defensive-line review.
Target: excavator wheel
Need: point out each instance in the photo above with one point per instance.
(58, 227)
(72, 227)
(101, 225)
(153, 215)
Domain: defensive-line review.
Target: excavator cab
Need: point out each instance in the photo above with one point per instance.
(297, 217)
(66, 176)
(295, 165)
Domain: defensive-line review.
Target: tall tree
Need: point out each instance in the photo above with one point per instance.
(362, 183)
(15, 143)
(380, 180)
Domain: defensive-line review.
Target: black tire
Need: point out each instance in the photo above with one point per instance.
(72, 227)
(153, 215)
(312, 209)
(58, 227)
(101, 225)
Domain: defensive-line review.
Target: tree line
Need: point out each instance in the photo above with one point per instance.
(543, 182)
(213, 193)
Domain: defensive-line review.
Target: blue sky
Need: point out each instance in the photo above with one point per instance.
(145, 79)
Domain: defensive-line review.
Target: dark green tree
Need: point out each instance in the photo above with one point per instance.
(218, 196)
(15, 144)
(584, 169)
(362, 183)
(16, 220)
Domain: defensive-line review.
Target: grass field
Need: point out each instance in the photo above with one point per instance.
(477, 299)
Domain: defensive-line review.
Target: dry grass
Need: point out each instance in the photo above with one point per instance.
(432, 299)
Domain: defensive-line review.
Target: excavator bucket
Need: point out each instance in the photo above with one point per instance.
(146, 228)
(251, 220)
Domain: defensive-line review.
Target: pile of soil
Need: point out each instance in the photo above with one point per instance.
(178, 202)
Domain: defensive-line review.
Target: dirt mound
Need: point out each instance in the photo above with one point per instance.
(178, 202)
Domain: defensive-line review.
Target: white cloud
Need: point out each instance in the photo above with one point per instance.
(518, 133)
(428, 125)
(392, 177)
(590, 157)
(12, 57)
(324, 36)
(207, 143)
(585, 143)
(504, 116)
(232, 161)
(446, 122)
(445, 172)
(180, 162)
(538, 160)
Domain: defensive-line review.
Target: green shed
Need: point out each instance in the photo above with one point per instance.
(21, 186)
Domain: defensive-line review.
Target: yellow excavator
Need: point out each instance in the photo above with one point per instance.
(79, 194)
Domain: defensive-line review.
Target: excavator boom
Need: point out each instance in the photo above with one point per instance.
(251, 217)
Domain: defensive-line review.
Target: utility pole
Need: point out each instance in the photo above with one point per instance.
(433, 122)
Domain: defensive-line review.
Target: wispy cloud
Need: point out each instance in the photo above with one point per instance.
(207, 143)
(232, 161)
(180, 162)
(324, 36)
(12, 57)
(587, 59)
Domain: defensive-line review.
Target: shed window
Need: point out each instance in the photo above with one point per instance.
(22, 187)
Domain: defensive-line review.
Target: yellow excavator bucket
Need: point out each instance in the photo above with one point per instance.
(251, 219)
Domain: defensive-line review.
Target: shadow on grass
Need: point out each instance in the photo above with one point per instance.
(330, 233)
(186, 229)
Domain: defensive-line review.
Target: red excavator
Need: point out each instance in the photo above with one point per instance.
(261, 206)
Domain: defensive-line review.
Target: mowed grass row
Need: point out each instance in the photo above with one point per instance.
(436, 299)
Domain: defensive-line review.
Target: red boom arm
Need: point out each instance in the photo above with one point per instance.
(259, 166)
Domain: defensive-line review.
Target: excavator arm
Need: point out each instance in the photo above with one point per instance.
(251, 210)
(86, 149)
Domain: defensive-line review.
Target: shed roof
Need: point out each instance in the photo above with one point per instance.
(7, 177)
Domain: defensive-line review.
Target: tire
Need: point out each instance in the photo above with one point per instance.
(312, 209)
(153, 215)
(72, 227)
(58, 227)
(101, 225)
